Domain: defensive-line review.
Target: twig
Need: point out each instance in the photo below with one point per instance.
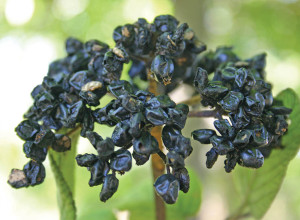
(162, 156)
(204, 114)
(73, 130)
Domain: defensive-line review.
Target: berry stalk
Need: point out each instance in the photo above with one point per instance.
(157, 163)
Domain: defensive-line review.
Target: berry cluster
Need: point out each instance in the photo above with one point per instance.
(168, 48)
(133, 113)
(70, 94)
(238, 90)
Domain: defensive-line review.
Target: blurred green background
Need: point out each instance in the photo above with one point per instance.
(32, 34)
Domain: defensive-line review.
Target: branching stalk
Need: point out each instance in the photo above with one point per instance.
(203, 114)
(192, 101)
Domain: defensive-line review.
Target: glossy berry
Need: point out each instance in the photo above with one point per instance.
(203, 135)
(253, 159)
(34, 172)
(86, 160)
(98, 171)
(121, 161)
(109, 187)
(34, 152)
(183, 177)
(167, 186)
(27, 129)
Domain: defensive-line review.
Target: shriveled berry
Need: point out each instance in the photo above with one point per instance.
(254, 105)
(231, 101)
(87, 122)
(93, 137)
(75, 113)
(203, 135)
(175, 160)
(183, 177)
(73, 45)
(79, 79)
(120, 87)
(27, 129)
(163, 68)
(261, 136)
(136, 124)
(242, 138)
(167, 186)
(244, 80)
(132, 104)
(120, 135)
(182, 146)
(214, 91)
(225, 129)
(169, 136)
(231, 160)
(98, 171)
(105, 147)
(121, 161)
(164, 23)
(221, 145)
(156, 116)
(79, 61)
(251, 158)
(95, 46)
(44, 138)
(281, 125)
(34, 152)
(239, 119)
(35, 172)
(228, 74)
(45, 102)
(201, 79)
(176, 118)
(146, 144)
(211, 158)
(140, 159)
(109, 187)
(86, 160)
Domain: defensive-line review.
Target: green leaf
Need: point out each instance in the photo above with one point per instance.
(96, 214)
(258, 188)
(63, 168)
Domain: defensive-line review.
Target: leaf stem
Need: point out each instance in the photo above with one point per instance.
(65, 199)
(63, 168)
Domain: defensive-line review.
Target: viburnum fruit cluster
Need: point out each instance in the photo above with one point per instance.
(238, 89)
(70, 94)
